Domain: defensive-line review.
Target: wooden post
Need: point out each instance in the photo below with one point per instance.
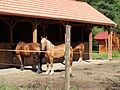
(67, 57)
(109, 45)
(35, 35)
(11, 35)
(106, 46)
(35, 24)
(90, 46)
(11, 25)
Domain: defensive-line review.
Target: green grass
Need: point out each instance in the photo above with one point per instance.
(99, 55)
(115, 55)
(4, 86)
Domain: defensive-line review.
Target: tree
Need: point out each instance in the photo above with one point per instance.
(110, 8)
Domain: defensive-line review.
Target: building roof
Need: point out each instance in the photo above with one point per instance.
(101, 35)
(67, 10)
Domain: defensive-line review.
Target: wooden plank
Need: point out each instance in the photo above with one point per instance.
(67, 57)
(5, 57)
(102, 46)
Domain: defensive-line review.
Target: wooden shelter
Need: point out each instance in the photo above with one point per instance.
(28, 20)
(102, 38)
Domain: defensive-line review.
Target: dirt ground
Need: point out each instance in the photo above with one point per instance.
(87, 75)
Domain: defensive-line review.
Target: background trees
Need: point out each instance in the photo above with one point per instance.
(110, 8)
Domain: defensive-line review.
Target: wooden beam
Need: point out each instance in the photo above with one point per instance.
(90, 46)
(67, 57)
(106, 46)
(109, 45)
(35, 23)
(35, 35)
(11, 24)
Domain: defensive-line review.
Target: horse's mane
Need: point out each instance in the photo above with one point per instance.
(21, 42)
(49, 44)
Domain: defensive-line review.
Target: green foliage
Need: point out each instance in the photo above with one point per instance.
(110, 8)
(96, 30)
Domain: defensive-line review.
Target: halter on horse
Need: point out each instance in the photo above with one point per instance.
(24, 50)
(52, 52)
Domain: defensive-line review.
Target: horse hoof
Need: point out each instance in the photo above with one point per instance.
(71, 75)
(34, 69)
(46, 72)
(51, 73)
(39, 71)
(80, 60)
(21, 69)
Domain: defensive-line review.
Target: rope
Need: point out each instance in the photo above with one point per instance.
(10, 64)
(21, 50)
(8, 50)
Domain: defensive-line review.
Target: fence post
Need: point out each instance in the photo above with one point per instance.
(90, 45)
(67, 57)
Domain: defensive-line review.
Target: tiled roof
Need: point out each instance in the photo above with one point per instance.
(68, 10)
(101, 35)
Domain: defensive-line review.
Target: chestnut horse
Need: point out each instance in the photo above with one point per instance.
(26, 50)
(79, 48)
(53, 52)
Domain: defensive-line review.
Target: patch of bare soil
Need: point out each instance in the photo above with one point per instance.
(87, 75)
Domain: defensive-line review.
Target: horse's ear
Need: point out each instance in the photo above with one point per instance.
(46, 37)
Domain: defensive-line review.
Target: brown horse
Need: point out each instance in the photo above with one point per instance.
(53, 52)
(26, 50)
(79, 48)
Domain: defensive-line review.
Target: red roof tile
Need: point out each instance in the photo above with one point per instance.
(68, 10)
(101, 36)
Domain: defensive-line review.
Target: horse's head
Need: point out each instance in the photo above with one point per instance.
(43, 43)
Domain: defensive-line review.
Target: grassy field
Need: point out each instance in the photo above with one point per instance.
(115, 55)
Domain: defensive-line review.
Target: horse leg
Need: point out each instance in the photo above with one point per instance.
(22, 67)
(40, 63)
(51, 64)
(48, 68)
(39, 70)
(80, 58)
(23, 61)
(37, 61)
(34, 65)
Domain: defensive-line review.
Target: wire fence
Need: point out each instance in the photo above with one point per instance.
(95, 55)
